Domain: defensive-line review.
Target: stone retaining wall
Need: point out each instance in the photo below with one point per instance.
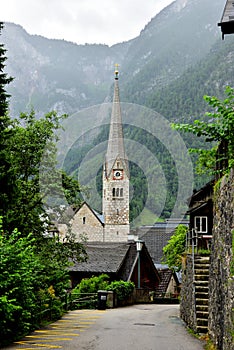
(187, 305)
(221, 284)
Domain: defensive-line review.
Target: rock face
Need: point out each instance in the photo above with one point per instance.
(221, 285)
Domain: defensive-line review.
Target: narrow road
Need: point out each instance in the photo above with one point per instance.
(138, 327)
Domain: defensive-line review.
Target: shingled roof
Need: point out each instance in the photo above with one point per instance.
(118, 261)
(157, 236)
(165, 277)
(102, 257)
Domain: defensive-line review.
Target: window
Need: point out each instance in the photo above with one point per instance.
(117, 192)
(117, 211)
(200, 223)
(84, 219)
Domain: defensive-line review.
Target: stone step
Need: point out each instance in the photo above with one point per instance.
(202, 329)
(202, 322)
(200, 301)
(201, 308)
(201, 283)
(202, 314)
(203, 258)
(201, 270)
(202, 297)
(201, 277)
(205, 293)
(201, 288)
(202, 265)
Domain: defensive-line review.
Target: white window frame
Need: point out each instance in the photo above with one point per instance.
(201, 224)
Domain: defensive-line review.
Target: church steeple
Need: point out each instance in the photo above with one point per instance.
(115, 148)
(116, 177)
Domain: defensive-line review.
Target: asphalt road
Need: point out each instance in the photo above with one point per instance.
(138, 327)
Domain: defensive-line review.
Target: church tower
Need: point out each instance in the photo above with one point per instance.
(115, 201)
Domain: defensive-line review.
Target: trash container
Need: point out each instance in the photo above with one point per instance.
(102, 299)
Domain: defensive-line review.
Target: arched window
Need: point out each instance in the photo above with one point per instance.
(117, 192)
(84, 219)
(121, 192)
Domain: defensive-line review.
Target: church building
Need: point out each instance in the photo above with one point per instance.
(113, 224)
(115, 201)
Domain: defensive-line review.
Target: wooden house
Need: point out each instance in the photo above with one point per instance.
(227, 20)
(169, 286)
(201, 217)
(119, 261)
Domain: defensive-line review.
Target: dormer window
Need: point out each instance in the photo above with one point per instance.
(200, 224)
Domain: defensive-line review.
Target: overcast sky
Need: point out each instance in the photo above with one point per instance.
(82, 21)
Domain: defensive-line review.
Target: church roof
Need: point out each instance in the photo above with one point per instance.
(115, 147)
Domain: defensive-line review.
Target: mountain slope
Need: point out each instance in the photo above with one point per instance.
(177, 38)
(55, 74)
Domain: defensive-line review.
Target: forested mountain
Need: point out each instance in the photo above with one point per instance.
(56, 74)
(177, 59)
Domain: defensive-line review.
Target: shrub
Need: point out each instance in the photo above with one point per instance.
(92, 285)
(122, 289)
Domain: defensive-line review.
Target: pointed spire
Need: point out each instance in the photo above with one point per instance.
(115, 148)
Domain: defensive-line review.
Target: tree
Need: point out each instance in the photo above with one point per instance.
(219, 130)
(172, 252)
(6, 175)
(32, 154)
(4, 80)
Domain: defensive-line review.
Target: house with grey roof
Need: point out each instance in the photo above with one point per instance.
(119, 260)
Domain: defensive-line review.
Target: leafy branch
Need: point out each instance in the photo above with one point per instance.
(219, 130)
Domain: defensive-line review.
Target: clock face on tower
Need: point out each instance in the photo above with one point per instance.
(118, 175)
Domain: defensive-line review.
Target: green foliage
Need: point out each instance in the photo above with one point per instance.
(219, 128)
(92, 285)
(204, 252)
(172, 252)
(33, 267)
(4, 80)
(32, 285)
(122, 289)
(6, 176)
(18, 267)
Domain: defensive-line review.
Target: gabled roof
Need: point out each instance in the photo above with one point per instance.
(201, 197)
(165, 278)
(102, 257)
(155, 239)
(227, 20)
(94, 212)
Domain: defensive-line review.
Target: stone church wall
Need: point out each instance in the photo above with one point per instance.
(221, 284)
(86, 225)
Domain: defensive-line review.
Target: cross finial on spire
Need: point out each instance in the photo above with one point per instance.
(116, 71)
